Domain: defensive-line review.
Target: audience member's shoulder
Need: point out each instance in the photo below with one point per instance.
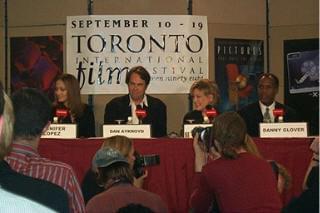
(41, 191)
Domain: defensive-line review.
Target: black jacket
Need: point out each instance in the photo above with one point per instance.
(46, 193)
(119, 109)
(252, 115)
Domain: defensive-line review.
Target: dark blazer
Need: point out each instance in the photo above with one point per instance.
(252, 115)
(194, 115)
(46, 193)
(119, 109)
(85, 124)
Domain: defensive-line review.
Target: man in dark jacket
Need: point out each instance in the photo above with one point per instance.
(120, 108)
(261, 111)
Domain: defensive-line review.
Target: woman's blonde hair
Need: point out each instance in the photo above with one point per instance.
(208, 87)
(120, 143)
(7, 129)
(73, 92)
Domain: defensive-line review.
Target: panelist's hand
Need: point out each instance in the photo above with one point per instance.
(138, 182)
(200, 157)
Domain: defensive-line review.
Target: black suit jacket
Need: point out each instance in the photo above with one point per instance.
(119, 109)
(46, 193)
(194, 115)
(85, 123)
(252, 115)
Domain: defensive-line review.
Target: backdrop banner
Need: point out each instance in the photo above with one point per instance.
(238, 63)
(102, 49)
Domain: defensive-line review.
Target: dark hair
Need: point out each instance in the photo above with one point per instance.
(141, 71)
(119, 170)
(32, 110)
(134, 207)
(270, 76)
(229, 130)
(73, 94)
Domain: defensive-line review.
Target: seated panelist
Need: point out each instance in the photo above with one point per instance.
(262, 110)
(205, 96)
(68, 108)
(121, 108)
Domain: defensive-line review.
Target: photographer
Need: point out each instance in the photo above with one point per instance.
(116, 176)
(124, 145)
(235, 180)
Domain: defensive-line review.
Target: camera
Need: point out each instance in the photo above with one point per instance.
(204, 136)
(142, 161)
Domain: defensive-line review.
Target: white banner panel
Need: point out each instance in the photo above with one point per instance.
(101, 50)
(284, 130)
(130, 131)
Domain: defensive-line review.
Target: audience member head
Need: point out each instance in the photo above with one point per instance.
(229, 134)
(204, 92)
(6, 123)
(123, 144)
(133, 207)
(268, 86)
(67, 92)
(112, 167)
(137, 79)
(32, 110)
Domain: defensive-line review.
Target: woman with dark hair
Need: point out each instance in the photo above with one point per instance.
(68, 98)
(236, 181)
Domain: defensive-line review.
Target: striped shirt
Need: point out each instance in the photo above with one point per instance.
(24, 159)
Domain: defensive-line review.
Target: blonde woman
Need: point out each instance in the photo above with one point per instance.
(204, 93)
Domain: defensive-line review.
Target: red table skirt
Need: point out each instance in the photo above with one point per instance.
(172, 179)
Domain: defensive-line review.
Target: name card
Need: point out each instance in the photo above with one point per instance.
(61, 131)
(131, 131)
(187, 129)
(284, 130)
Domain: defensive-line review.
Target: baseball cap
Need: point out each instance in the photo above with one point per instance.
(106, 156)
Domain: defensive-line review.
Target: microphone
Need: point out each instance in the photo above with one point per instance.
(210, 112)
(141, 113)
(278, 114)
(62, 113)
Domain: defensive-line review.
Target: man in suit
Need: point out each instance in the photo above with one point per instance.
(262, 110)
(120, 108)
